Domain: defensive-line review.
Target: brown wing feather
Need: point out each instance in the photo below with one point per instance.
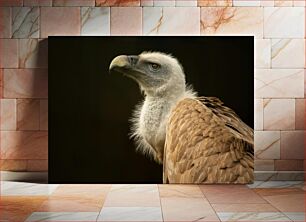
(206, 142)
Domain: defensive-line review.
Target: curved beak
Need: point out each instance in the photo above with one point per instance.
(123, 63)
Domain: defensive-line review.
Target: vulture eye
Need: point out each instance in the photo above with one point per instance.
(154, 66)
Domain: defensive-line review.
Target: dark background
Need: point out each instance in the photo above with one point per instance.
(89, 109)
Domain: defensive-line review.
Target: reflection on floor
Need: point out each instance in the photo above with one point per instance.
(261, 201)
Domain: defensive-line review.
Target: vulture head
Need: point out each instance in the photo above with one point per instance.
(157, 74)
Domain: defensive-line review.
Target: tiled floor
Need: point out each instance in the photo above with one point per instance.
(261, 201)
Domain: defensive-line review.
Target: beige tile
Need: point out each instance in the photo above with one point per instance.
(292, 144)
(51, 17)
(267, 144)
(5, 22)
(187, 209)
(43, 116)
(25, 22)
(33, 53)
(133, 196)
(263, 53)
(280, 3)
(94, 191)
(25, 83)
(264, 165)
(126, 21)
(37, 2)
(130, 214)
(246, 3)
(279, 83)
(24, 145)
(71, 204)
(300, 114)
(258, 114)
(160, 21)
(288, 53)
(173, 190)
(279, 114)
(163, 3)
(13, 165)
(8, 114)
(27, 114)
(186, 3)
(73, 2)
(305, 83)
(299, 3)
(8, 53)
(37, 165)
(230, 194)
(219, 3)
(278, 22)
(289, 165)
(267, 3)
(146, 2)
(262, 207)
(95, 21)
(232, 20)
(118, 3)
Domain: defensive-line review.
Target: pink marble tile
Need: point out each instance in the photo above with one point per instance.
(1, 83)
(8, 114)
(73, 2)
(37, 2)
(300, 114)
(232, 20)
(305, 81)
(230, 194)
(292, 144)
(278, 22)
(146, 2)
(33, 53)
(164, 3)
(246, 3)
(279, 3)
(258, 124)
(126, 21)
(263, 53)
(285, 200)
(215, 2)
(262, 207)
(43, 123)
(279, 83)
(267, 144)
(24, 145)
(299, 3)
(37, 165)
(82, 190)
(51, 17)
(5, 22)
(27, 114)
(118, 2)
(267, 3)
(288, 53)
(10, 3)
(25, 22)
(171, 21)
(186, 3)
(13, 165)
(289, 165)
(25, 83)
(279, 114)
(8, 53)
(264, 165)
(173, 190)
(187, 209)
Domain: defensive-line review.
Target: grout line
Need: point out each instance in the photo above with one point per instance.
(161, 208)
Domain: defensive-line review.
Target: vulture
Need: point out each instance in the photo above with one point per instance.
(196, 139)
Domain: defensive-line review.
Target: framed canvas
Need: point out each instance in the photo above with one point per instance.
(159, 109)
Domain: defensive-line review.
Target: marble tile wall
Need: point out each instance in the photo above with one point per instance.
(278, 27)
